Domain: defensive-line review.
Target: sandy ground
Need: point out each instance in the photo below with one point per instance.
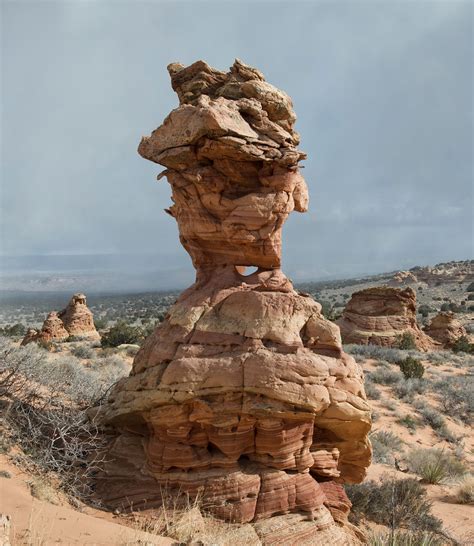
(40, 523)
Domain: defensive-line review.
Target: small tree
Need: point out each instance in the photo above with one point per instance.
(411, 368)
(406, 342)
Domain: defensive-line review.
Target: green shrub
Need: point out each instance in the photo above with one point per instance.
(434, 465)
(408, 421)
(122, 333)
(406, 342)
(412, 368)
(462, 345)
(394, 503)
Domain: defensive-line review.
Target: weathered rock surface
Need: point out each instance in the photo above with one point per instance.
(75, 320)
(445, 329)
(380, 316)
(243, 395)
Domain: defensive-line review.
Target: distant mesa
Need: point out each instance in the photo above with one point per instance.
(445, 329)
(403, 278)
(243, 395)
(381, 315)
(75, 320)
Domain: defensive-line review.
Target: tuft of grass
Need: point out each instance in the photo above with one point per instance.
(43, 491)
(5, 474)
(435, 420)
(465, 490)
(434, 465)
(371, 390)
(405, 538)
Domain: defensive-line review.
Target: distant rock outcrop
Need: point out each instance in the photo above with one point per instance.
(448, 272)
(243, 395)
(445, 329)
(75, 320)
(402, 278)
(380, 316)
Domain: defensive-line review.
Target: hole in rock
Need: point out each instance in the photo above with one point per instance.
(246, 271)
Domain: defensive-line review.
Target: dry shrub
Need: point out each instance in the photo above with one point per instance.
(398, 504)
(45, 402)
(465, 490)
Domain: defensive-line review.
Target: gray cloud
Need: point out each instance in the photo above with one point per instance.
(383, 93)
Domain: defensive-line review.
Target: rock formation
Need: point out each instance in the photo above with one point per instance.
(380, 316)
(445, 329)
(403, 278)
(449, 272)
(243, 395)
(75, 320)
(78, 318)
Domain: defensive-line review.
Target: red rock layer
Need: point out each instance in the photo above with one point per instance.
(380, 316)
(243, 396)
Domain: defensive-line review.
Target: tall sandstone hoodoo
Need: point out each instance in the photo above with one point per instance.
(75, 320)
(380, 316)
(243, 395)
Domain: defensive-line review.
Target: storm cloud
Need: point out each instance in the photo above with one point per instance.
(382, 90)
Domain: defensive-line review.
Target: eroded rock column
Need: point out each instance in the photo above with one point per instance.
(243, 394)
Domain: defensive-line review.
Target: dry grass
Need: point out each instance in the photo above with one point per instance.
(465, 490)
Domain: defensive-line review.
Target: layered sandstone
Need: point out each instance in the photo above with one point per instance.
(445, 329)
(403, 278)
(243, 395)
(381, 316)
(75, 320)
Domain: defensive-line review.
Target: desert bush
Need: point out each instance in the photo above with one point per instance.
(462, 345)
(457, 396)
(408, 388)
(46, 414)
(384, 376)
(434, 465)
(385, 445)
(406, 342)
(83, 351)
(408, 421)
(435, 420)
(389, 354)
(398, 504)
(122, 333)
(13, 330)
(371, 390)
(100, 323)
(411, 368)
(465, 490)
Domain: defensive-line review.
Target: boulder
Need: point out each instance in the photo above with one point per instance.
(243, 395)
(381, 315)
(445, 329)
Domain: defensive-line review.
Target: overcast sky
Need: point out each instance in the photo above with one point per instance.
(382, 91)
